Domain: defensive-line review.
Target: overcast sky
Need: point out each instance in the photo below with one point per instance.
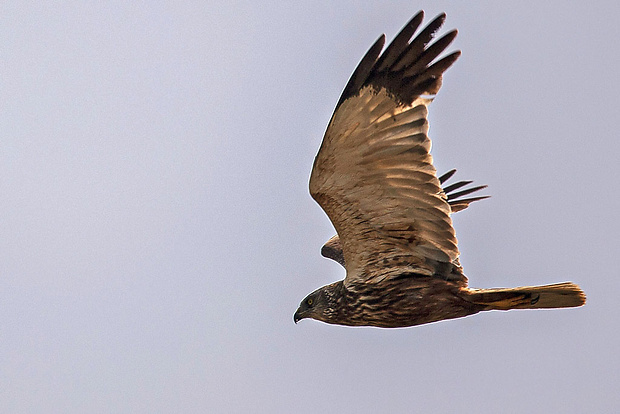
(157, 233)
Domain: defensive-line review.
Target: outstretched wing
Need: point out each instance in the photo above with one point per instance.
(333, 250)
(374, 175)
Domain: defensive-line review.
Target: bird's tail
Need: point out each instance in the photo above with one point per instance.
(559, 295)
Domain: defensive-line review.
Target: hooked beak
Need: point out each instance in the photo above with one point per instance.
(297, 317)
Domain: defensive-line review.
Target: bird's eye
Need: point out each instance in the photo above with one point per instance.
(310, 301)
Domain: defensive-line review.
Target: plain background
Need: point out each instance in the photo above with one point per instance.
(157, 233)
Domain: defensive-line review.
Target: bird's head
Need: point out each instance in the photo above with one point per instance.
(319, 305)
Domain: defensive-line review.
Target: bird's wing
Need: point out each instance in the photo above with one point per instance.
(332, 249)
(374, 175)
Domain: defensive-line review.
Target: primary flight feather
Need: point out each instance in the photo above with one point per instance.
(375, 179)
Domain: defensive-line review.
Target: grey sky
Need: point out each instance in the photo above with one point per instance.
(157, 231)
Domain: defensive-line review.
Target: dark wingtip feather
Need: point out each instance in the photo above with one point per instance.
(459, 205)
(459, 194)
(443, 64)
(363, 70)
(400, 43)
(456, 186)
(446, 176)
(418, 44)
(428, 55)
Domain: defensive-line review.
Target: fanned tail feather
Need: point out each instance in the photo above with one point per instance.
(559, 295)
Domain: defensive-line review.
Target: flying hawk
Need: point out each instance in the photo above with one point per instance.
(375, 179)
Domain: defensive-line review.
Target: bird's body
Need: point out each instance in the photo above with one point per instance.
(410, 300)
(375, 179)
(399, 302)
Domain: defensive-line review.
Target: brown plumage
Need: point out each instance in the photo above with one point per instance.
(333, 250)
(375, 179)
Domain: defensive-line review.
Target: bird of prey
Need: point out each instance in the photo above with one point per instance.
(375, 179)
